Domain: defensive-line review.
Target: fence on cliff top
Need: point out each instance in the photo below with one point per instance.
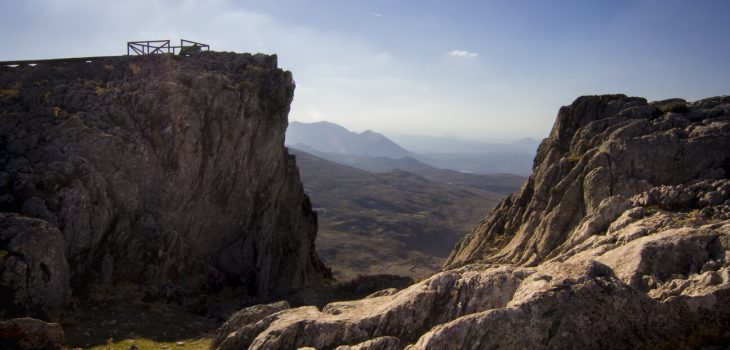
(150, 47)
(133, 48)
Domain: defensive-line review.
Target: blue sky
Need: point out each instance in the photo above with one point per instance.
(483, 70)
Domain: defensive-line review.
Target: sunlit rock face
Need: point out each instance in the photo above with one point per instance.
(163, 174)
(601, 151)
(619, 239)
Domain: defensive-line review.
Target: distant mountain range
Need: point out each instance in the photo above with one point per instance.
(498, 183)
(385, 209)
(375, 152)
(332, 138)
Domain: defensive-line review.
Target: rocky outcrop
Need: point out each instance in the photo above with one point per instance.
(601, 151)
(164, 173)
(30, 334)
(621, 239)
(35, 275)
(228, 333)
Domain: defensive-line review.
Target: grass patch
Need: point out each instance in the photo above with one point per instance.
(11, 92)
(574, 157)
(134, 68)
(154, 326)
(148, 344)
(651, 209)
(692, 218)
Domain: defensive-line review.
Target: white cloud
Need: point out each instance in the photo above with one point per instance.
(383, 57)
(315, 115)
(376, 14)
(462, 53)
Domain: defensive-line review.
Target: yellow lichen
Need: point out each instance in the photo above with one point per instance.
(100, 91)
(12, 92)
(574, 157)
(134, 68)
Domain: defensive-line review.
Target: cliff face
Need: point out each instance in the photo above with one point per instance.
(601, 151)
(620, 239)
(162, 173)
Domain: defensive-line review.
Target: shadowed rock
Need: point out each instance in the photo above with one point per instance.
(30, 334)
(161, 172)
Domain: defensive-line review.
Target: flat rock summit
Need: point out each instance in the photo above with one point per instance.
(619, 240)
(164, 177)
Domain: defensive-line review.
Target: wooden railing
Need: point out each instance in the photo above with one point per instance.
(150, 47)
(133, 48)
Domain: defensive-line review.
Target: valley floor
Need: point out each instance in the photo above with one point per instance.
(350, 255)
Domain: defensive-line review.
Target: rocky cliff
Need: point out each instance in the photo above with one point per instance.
(164, 176)
(602, 151)
(619, 239)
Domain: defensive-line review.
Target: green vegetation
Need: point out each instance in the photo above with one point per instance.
(134, 68)
(148, 344)
(11, 92)
(102, 324)
(574, 157)
(100, 91)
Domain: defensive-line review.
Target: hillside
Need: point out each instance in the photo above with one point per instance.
(395, 222)
(499, 183)
(619, 240)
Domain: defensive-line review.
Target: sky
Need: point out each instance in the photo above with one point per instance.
(481, 70)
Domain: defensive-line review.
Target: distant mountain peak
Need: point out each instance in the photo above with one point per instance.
(329, 137)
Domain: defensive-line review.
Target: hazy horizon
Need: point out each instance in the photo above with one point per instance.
(445, 135)
(476, 69)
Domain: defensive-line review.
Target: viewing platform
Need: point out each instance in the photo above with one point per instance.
(134, 48)
(150, 47)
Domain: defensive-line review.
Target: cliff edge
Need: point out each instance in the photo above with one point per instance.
(159, 175)
(619, 240)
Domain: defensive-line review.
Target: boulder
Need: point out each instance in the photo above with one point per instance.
(34, 273)
(30, 334)
(251, 315)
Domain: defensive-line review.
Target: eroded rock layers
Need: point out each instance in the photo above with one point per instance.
(164, 173)
(620, 239)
